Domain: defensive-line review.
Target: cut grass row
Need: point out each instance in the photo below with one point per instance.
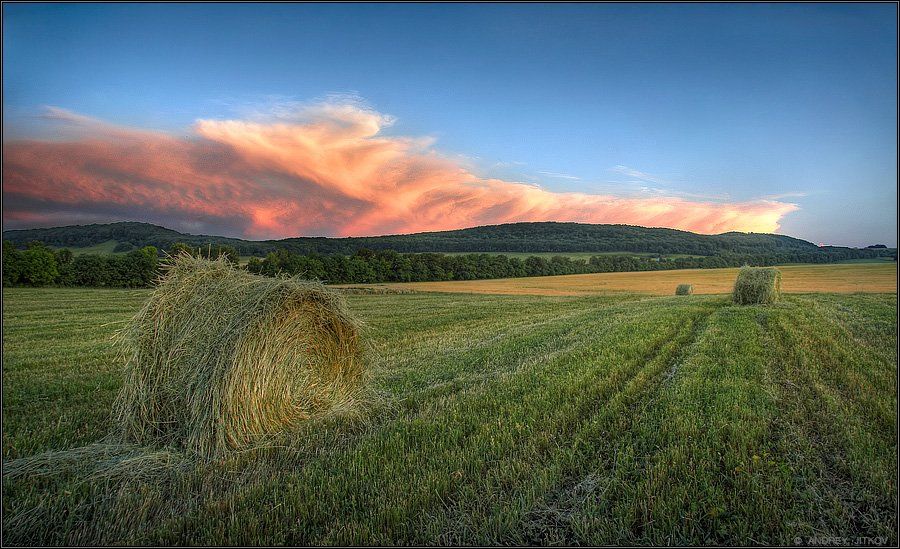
(506, 419)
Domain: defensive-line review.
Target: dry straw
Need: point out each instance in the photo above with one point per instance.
(757, 286)
(219, 359)
(684, 289)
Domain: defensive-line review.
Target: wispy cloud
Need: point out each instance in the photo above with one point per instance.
(324, 168)
(790, 194)
(560, 176)
(508, 164)
(637, 174)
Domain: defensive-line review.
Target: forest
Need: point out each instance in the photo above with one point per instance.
(40, 265)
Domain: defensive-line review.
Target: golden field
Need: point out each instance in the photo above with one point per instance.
(833, 278)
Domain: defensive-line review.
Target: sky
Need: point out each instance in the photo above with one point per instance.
(280, 120)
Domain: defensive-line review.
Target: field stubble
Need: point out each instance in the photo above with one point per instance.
(835, 278)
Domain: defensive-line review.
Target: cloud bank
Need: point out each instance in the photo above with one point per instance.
(323, 169)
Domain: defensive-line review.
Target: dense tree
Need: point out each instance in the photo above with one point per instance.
(64, 256)
(38, 265)
(12, 263)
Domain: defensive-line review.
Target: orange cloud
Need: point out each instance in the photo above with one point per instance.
(318, 170)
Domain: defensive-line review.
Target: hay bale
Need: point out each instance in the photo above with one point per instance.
(757, 285)
(684, 289)
(219, 359)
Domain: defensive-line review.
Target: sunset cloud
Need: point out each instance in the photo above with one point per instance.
(323, 169)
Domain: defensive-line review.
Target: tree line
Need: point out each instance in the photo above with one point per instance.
(40, 265)
(367, 266)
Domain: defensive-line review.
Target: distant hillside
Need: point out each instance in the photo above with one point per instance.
(512, 237)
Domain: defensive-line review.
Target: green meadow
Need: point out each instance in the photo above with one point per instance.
(516, 419)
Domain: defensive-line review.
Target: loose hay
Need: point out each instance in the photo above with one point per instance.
(219, 359)
(684, 289)
(757, 285)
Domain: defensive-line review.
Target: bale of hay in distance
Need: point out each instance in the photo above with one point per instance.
(219, 359)
(757, 286)
(684, 289)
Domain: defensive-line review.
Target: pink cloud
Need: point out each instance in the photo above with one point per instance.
(318, 170)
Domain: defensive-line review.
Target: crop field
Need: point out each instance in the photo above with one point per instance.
(574, 255)
(604, 419)
(837, 278)
(103, 248)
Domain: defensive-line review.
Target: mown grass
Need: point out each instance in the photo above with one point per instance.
(103, 248)
(504, 420)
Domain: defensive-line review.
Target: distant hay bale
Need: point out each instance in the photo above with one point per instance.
(219, 359)
(684, 289)
(757, 286)
(372, 290)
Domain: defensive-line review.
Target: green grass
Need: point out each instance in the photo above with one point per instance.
(104, 248)
(504, 420)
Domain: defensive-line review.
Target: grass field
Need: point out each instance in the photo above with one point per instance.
(838, 278)
(605, 419)
(104, 248)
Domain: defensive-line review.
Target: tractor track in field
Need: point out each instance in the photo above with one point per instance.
(800, 428)
(549, 520)
(593, 422)
(559, 340)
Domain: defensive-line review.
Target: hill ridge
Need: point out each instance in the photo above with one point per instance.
(538, 237)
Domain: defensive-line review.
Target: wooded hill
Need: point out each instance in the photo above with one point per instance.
(513, 237)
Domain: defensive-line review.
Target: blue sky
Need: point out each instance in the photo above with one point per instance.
(722, 103)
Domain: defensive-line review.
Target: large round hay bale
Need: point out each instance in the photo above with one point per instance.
(757, 286)
(684, 289)
(219, 359)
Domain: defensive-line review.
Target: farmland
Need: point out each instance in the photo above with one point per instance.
(839, 278)
(597, 419)
(585, 256)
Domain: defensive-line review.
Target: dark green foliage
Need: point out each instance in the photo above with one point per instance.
(64, 256)
(757, 286)
(38, 265)
(512, 237)
(12, 263)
